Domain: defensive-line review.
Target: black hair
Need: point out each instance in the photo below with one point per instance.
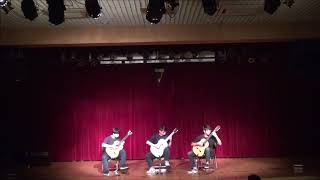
(206, 127)
(115, 130)
(162, 128)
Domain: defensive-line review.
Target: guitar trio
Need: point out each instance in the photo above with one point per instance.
(160, 143)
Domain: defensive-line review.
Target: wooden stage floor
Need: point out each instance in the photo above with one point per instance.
(228, 168)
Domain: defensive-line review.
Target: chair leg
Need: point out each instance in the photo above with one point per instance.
(117, 168)
(117, 165)
(215, 163)
(197, 163)
(160, 166)
(116, 171)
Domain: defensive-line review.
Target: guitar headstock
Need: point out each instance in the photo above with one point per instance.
(130, 133)
(175, 130)
(217, 128)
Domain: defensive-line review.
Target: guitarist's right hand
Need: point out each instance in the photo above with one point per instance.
(156, 146)
(197, 144)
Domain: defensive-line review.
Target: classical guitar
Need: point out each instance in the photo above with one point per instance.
(162, 144)
(199, 150)
(117, 146)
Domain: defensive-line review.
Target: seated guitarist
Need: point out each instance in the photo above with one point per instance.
(108, 142)
(153, 142)
(208, 152)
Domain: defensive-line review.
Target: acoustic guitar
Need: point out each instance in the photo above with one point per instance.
(199, 150)
(162, 144)
(117, 146)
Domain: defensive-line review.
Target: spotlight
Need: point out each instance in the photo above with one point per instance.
(270, 6)
(6, 6)
(93, 8)
(56, 10)
(172, 4)
(155, 10)
(3, 3)
(209, 6)
(289, 3)
(29, 9)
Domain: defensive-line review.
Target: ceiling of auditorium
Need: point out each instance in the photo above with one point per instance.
(132, 13)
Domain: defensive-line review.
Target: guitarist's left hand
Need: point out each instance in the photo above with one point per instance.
(214, 134)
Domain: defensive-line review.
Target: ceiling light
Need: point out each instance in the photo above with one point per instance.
(93, 8)
(6, 6)
(270, 6)
(29, 9)
(209, 6)
(56, 10)
(155, 11)
(289, 3)
(3, 3)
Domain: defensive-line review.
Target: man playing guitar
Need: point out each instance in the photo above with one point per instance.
(203, 146)
(153, 142)
(109, 142)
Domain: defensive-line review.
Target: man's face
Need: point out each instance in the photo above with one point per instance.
(162, 133)
(207, 132)
(115, 135)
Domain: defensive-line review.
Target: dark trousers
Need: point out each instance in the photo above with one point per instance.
(208, 153)
(106, 158)
(150, 157)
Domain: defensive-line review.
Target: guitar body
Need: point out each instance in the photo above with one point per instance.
(114, 152)
(162, 143)
(199, 150)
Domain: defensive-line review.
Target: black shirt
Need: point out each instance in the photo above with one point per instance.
(156, 137)
(212, 141)
(109, 140)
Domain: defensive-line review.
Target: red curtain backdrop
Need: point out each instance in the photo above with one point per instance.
(74, 110)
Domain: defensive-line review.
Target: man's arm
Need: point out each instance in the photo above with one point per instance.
(198, 142)
(151, 144)
(217, 138)
(170, 142)
(106, 145)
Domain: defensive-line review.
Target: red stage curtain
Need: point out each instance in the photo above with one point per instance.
(76, 109)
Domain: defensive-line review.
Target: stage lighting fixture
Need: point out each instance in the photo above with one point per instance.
(155, 11)
(3, 3)
(270, 6)
(289, 3)
(6, 6)
(172, 4)
(29, 9)
(209, 6)
(56, 10)
(93, 8)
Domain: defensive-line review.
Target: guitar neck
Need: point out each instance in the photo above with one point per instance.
(170, 135)
(123, 139)
(210, 136)
(207, 138)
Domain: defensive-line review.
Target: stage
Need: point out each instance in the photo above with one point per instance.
(228, 168)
